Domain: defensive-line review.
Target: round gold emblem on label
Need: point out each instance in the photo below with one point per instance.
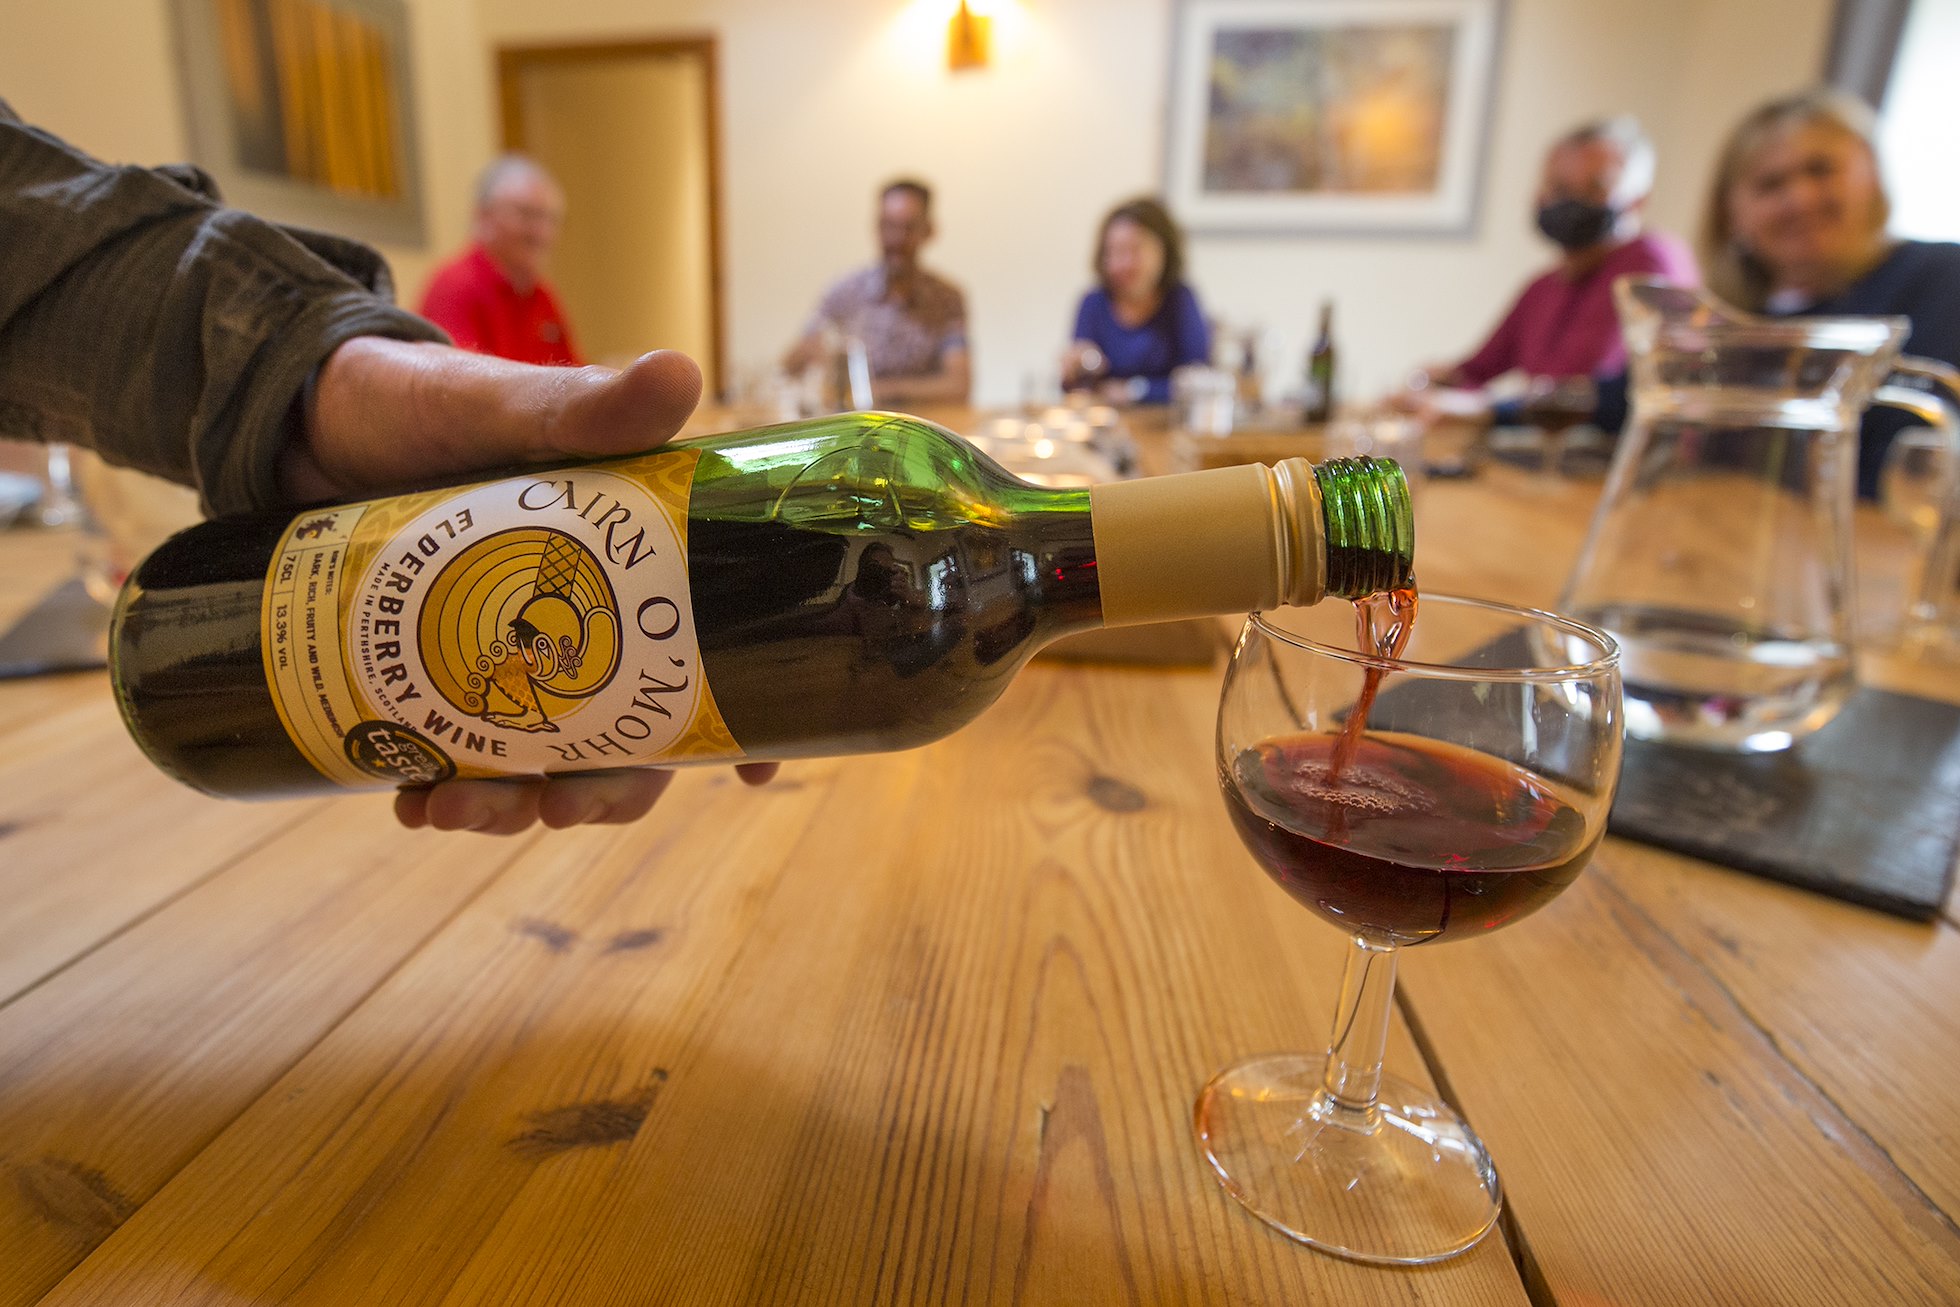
(519, 628)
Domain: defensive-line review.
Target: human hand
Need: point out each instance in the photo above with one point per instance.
(386, 414)
(1411, 401)
(1555, 403)
(1122, 391)
(1082, 365)
(1416, 397)
(1432, 404)
(505, 807)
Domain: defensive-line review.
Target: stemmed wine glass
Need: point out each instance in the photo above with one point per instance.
(1476, 792)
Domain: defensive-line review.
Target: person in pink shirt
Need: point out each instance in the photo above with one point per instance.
(1590, 204)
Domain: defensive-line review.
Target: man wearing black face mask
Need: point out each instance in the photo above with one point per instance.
(1589, 204)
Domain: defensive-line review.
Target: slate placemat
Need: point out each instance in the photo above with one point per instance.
(1867, 809)
(67, 631)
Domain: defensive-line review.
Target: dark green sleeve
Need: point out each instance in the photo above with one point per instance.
(141, 318)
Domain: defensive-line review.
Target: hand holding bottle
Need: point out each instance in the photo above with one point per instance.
(385, 414)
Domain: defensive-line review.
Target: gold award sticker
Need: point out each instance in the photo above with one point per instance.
(538, 624)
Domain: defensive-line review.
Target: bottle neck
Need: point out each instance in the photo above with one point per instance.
(1240, 539)
(1368, 524)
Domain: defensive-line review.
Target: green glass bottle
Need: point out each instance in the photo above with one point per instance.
(1320, 402)
(844, 585)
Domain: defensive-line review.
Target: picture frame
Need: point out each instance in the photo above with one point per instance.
(1333, 117)
(303, 111)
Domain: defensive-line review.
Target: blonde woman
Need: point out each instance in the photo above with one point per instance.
(1795, 223)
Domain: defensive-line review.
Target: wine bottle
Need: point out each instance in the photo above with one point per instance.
(1251, 393)
(841, 585)
(1320, 369)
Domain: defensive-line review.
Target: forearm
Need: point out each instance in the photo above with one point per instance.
(953, 383)
(934, 387)
(1496, 356)
(140, 318)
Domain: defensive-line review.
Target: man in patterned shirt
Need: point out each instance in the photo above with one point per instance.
(912, 323)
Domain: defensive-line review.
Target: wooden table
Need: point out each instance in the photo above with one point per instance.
(920, 1028)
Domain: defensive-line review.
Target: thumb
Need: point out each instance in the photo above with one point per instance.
(622, 412)
(390, 413)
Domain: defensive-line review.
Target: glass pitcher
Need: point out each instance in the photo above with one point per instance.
(1720, 555)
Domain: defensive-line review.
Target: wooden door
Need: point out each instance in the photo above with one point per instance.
(629, 129)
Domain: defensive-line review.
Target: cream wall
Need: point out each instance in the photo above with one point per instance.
(822, 101)
(122, 104)
(1921, 105)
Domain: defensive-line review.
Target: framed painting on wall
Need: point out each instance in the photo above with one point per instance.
(1330, 116)
(303, 110)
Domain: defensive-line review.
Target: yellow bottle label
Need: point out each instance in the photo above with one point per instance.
(537, 624)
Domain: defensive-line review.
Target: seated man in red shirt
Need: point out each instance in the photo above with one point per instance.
(493, 298)
(1564, 326)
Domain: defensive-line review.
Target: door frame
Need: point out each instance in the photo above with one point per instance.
(513, 61)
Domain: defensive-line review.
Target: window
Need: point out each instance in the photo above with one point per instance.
(1916, 125)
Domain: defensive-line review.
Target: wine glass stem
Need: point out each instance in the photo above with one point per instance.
(1352, 1080)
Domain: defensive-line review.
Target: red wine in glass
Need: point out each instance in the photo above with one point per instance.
(1404, 839)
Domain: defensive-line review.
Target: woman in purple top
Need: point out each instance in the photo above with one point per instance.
(1142, 321)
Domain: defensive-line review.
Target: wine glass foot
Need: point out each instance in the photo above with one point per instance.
(1408, 1184)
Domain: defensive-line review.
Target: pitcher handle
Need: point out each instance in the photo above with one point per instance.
(1935, 614)
(1937, 404)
